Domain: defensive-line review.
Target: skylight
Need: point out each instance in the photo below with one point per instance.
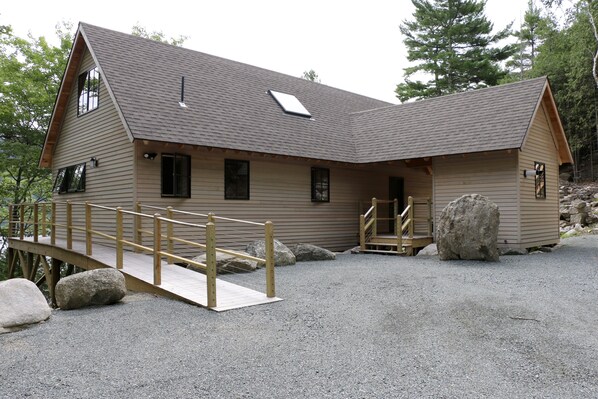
(289, 103)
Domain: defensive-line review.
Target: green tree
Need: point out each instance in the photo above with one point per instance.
(311, 75)
(158, 36)
(30, 73)
(567, 57)
(533, 28)
(451, 41)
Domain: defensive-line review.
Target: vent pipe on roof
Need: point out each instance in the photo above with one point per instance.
(182, 102)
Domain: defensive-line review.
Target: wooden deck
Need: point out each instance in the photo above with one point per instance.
(177, 282)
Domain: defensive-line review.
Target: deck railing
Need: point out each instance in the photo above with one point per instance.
(25, 220)
(404, 223)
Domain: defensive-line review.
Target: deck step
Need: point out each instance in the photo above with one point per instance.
(379, 251)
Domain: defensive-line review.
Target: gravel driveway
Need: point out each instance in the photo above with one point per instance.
(363, 326)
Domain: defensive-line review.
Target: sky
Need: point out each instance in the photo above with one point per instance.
(352, 45)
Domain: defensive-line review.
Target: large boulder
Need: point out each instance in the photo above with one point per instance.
(468, 229)
(21, 303)
(309, 252)
(282, 255)
(93, 287)
(226, 264)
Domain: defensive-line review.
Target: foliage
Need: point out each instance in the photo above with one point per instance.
(311, 75)
(30, 72)
(534, 28)
(454, 44)
(567, 57)
(158, 36)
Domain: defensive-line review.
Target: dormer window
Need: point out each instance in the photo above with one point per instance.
(289, 103)
(89, 91)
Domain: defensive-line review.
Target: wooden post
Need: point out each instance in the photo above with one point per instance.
(430, 232)
(11, 221)
(138, 227)
(399, 222)
(35, 221)
(10, 260)
(119, 238)
(56, 266)
(375, 216)
(211, 263)
(88, 228)
(157, 250)
(396, 212)
(44, 219)
(169, 234)
(411, 213)
(69, 225)
(211, 218)
(362, 232)
(270, 284)
(53, 224)
(21, 222)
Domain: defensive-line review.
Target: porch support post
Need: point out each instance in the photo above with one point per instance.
(411, 217)
(396, 212)
(399, 234)
(375, 216)
(35, 221)
(362, 233)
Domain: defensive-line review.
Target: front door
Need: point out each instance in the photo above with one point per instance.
(396, 189)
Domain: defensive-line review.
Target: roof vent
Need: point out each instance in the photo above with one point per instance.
(289, 103)
(182, 102)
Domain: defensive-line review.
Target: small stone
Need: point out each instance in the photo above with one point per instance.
(309, 252)
(429, 250)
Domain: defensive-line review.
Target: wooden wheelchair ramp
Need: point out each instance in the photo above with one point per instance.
(176, 282)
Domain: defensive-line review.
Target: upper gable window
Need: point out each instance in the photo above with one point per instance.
(89, 91)
(70, 179)
(540, 180)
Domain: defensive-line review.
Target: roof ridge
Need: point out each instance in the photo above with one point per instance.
(447, 97)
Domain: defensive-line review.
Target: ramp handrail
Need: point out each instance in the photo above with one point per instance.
(25, 220)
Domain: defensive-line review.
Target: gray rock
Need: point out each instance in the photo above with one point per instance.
(226, 264)
(282, 255)
(468, 229)
(429, 250)
(512, 251)
(309, 252)
(93, 287)
(578, 218)
(21, 303)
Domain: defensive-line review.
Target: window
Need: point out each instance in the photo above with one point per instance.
(89, 91)
(540, 179)
(70, 179)
(176, 175)
(320, 185)
(236, 179)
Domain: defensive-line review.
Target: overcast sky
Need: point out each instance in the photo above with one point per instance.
(352, 45)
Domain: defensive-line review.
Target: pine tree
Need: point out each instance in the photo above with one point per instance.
(452, 41)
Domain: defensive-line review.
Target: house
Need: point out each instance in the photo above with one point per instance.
(141, 121)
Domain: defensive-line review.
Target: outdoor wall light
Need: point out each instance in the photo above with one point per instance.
(532, 172)
(150, 155)
(93, 162)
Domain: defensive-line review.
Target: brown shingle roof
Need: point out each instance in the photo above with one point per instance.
(228, 102)
(229, 107)
(488, 119)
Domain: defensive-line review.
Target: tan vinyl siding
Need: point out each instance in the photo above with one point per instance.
(493, 175)
(280, 192)
(539, 217)
(98, 134)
